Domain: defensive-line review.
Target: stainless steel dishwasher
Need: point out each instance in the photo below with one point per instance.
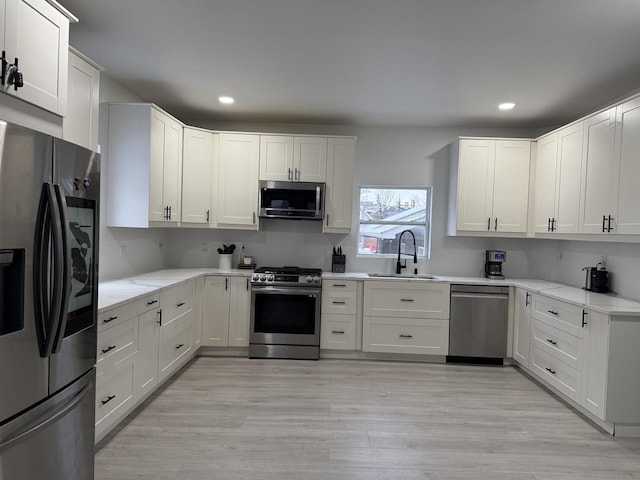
(478, 324)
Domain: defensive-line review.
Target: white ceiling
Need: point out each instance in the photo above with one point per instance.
(375, 62)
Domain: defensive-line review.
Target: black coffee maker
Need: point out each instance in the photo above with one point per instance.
(493, 263)
(597, 279)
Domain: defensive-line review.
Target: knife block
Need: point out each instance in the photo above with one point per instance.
(338, 263)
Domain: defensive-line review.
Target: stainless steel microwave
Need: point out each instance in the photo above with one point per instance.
(294, 200)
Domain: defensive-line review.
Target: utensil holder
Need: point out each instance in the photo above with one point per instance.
(225, 261)
(338, 263)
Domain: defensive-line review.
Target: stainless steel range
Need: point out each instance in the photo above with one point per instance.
(285, 313)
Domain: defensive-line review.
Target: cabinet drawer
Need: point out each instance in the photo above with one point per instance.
(406, 299)
(555, 372)
(341, 302)
(175, 345)
(562, 315)
(149, 302)
(115, 393)
(338, 332)
(176, 301)
(340, 285)
(114, 316)
(116, 344)
(391, 335)
(556, 343)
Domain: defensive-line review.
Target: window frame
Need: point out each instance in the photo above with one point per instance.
(427, 223)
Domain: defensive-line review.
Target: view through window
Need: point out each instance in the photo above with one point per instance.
(385, 212)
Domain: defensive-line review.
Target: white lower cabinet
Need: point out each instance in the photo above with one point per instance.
(595, 363)
(225, 312)
(522, 327)
(175, 345)
(149, 327)
(403, 317)
(116, 393)
(338, 324)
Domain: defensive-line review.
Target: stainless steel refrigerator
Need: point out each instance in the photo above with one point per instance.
(49, 229)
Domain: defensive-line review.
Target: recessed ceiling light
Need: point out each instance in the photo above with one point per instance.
(226, 100)
(506, 106)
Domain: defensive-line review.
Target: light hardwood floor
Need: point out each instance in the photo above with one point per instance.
(234, 418)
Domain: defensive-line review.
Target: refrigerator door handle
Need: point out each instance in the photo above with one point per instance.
(65, 269)
(39, 424)
(46, 273)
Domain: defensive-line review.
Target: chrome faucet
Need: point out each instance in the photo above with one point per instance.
(399, 265)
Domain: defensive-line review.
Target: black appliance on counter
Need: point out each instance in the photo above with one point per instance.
(596, 279)
(493, 263)
(285, 313)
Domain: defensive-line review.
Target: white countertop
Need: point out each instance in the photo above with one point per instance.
(115, 292)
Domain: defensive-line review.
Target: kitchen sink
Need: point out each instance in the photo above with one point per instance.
(402, 275)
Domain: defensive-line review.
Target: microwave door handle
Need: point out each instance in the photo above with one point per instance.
(65, 270)
(318, 200)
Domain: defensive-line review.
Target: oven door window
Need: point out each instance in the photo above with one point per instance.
(285, 313)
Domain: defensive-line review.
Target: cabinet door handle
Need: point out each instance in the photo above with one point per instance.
(207, 216)
(247, 284)
(584, 316)
(4, 66)
(337, 332)
(406, 299)
(159, 317)
(152, 302)
(179, 346)
(108, 349)
(495, 225)
(180, 304)
(609, 227)
(327, 219)
(549, 224)
(110, 319)
(296, 175)
(226, 284)
(604, 222)
(339, 303)
(339, 285)
(551, 371)
(526, 299)
(553, 224)
(402, 335)
(552, 312)
(289, 176)
(109, 398)
(169, 212)
(489, 223)
(552, 342)
(253, 216)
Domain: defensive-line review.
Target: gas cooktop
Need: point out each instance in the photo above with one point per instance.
(286, 276)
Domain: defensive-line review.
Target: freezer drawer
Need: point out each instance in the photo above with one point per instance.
(53, 441)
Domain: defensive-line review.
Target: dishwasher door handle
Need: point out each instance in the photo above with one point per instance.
(496, 296)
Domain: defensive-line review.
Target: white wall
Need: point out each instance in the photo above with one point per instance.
(123, 251)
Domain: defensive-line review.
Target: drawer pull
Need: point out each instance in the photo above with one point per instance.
(552, 312)
(152, 302)
(584, 318)
(405, 336)
(179, 346)
(337, 332)
(109, 398)
(406, 299)
(180, 304)
(551, 341)
(339, 303)
(108, 349)
(339, 285)
(110, 319)
(551, 371)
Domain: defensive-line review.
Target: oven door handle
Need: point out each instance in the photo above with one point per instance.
(285, 290)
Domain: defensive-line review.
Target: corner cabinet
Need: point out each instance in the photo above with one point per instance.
(37, 34)
(80, 126)
(406, 317)
(339, 185)
(238, 166)
(490, 186)
(144, 167)
(522, 327)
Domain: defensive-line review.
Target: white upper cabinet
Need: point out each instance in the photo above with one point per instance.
(339, 188)
(558, 180)
(238, 165)
(144, 168)
(627, 215)
(37, 34)
(295, 159)
(598, 196)
(493, 185)
(80, 126)
(198, 167)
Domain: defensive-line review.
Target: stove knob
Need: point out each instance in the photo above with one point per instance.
(263, 277)
(270, 277)
(309, 279)
(316, 279)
